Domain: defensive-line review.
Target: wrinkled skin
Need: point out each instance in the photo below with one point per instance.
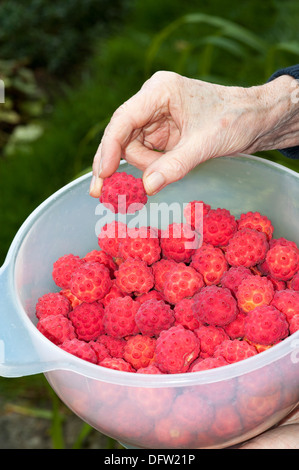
(189, 121)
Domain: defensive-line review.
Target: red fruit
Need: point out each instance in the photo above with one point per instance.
(210, 337)
(253, 292)
(142, 243)
(57, 328)
(63, 269)
(227, 422)
(123, 193)
(182, 281)
(80, 349)
(151, 295)
(194, 212)
(134, 276)
(110, 237)
(160, 271)
(247, 247)
(100, 350)
(207, 363)
(87, 319)
(150, 369)
(52, 303)
(256, 221)
(90, 282)
(176, 348)
(215, 306)
(210, 262)
(178, 242)
(283, 242)
(287, 301)
(294, 282)
(234, 276)
(218, 227)
(184, 314)
(236, 329)
(113, 293)
(193, 412)
(74, 301)
(117, 363)
(100, 256)
(266, 325)
(233, 350)
(283, 262)
(294, 324)
(115, 346)
(119, 317)
(153, 316)
(140, 350)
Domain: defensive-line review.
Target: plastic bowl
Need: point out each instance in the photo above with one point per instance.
(212, 409)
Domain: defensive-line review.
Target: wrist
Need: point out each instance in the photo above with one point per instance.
(277, 114)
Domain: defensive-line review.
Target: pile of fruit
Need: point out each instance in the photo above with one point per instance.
(145, 302)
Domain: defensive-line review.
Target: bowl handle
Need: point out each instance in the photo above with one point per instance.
(20, 351)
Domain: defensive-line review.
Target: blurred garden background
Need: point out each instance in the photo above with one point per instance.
(66, 66)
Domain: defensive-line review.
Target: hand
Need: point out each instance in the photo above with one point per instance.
(174, 123)
(285, 436)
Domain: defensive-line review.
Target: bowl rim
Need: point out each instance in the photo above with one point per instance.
(66, 361)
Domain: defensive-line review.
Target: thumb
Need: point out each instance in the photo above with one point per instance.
(170, 167)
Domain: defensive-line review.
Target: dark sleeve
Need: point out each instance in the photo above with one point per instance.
(293, 71)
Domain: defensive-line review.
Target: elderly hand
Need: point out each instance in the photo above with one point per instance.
(174, 123)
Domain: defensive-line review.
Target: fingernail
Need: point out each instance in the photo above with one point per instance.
(95, 186)
(153, 182)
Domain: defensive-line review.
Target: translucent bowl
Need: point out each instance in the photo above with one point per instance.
(211, 409)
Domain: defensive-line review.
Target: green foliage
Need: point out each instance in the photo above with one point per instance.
(55, 35)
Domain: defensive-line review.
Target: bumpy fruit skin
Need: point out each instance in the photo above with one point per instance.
(117, 363)
(119, 318)
(182, 281)
(236, 328)
(154, 316)
(287, 301)
(110, 236)
(283, 262)
(294, 324)
(218, 227)
(266, 325)
(91, 282)
(113, 293)
(283, 242)
(256, 221)
(193, 412)
(142, 243)
(233, 350)
(253, 292)
(178, 242)
(87, 320)
(63, 269)
(80, 349)
(151, 295)
(215, 306)
(57, 328)
(210, 262)
(100, 350)
(207, 363)
(52, 303)
(194, 212)
(134, 276)
(176, 348)
(233, 277)
(161, 270)
(115, 346)
(150, 369)
(140, 350)
(294, 282)
(184, 314)
(247, 247)
(210, 337)
(100, 256)
(123, 193)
